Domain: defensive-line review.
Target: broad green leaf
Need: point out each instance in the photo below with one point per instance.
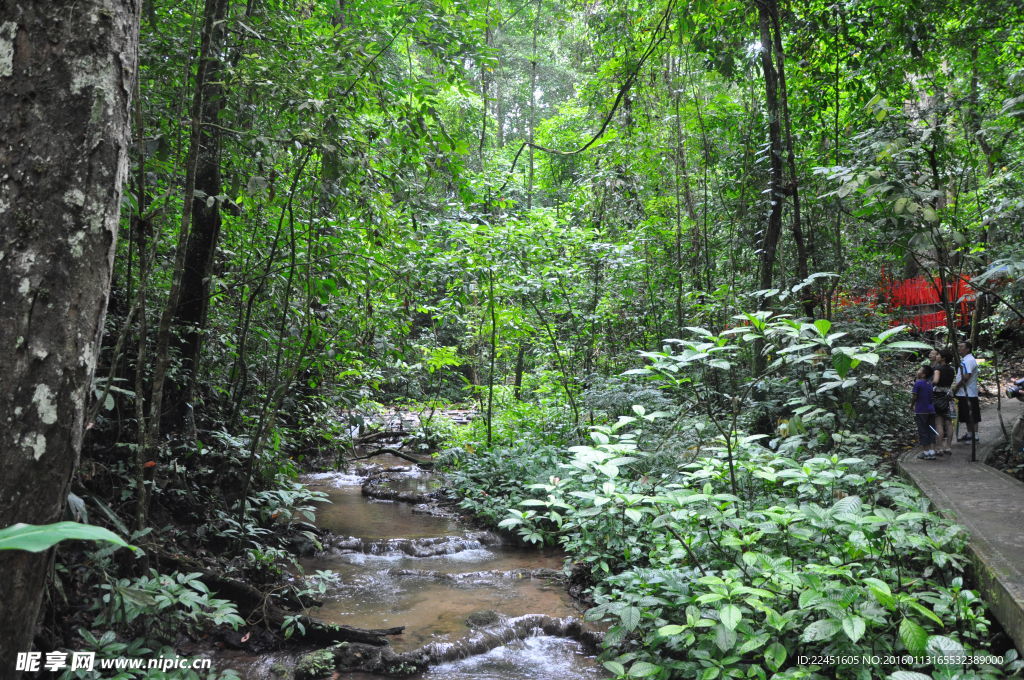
(137, 595)
(730, 616)
(940, 645)
(920, 608)
(854, 627)
(850, 504)
(888, 333)
(36, 538)
(878, 584)
(630, 617)
(615, 667)
(908, 344)
(753, 643)
(775, 655)
(843, 363)
(821, 630)
(642, 669)
(913, 636)
(808, 598)
(725, 638)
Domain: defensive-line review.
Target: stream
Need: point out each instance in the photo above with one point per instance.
(399, 565)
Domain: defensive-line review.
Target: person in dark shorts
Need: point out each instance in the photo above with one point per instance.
(943, 375)
(966, 390)
(924, 413)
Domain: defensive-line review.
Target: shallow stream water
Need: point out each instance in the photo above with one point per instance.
(399, 567)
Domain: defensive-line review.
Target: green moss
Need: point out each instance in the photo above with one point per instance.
(280, 670)
(314, 665)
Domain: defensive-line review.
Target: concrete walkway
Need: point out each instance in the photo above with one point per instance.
(990, 505)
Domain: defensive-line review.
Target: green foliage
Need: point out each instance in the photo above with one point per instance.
(142, 617)
(797, 563)
(819, 388)
(162, 605)
(380, 238)
(543, 420)
(107, 646)
(38, 538)
(735, 561)
(488, 482)
(287, 504)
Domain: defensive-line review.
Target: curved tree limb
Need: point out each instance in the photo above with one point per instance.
(659, 36)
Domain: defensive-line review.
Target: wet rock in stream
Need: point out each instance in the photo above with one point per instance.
(414, 547)
(351, 657)
(482, 619)
(407, 487)
(480, 576)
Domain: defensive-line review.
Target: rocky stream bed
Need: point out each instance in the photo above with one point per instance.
(450, 601)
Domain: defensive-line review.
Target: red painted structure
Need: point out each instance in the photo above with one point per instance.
(917, 301)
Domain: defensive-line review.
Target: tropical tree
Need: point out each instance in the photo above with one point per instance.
(68, 73)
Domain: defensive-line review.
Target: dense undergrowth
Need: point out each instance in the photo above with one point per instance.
(163, 598)
(715, 547)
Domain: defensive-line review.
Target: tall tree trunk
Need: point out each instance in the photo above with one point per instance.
(776, 191)
(803, 255)
(484, 83)
(533, 104)
(208, 58)
(66, 79)
(190, 312)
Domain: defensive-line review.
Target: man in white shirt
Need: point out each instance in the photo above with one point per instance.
(966, 390)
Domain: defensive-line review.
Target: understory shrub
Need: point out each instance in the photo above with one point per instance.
(489, 482)
(786, 554)
(144, 616)
(816, 558)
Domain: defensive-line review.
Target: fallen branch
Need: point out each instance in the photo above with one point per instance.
(377, 435)
(427, 464)
(256, 607)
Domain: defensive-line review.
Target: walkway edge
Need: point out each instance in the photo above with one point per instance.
(999, 579)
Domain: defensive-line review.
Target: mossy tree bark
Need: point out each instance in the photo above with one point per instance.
(67, 74)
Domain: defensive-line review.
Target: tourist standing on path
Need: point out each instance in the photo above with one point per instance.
(966, 390)
(1016, 391)
(943, 375)
(924, 413)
